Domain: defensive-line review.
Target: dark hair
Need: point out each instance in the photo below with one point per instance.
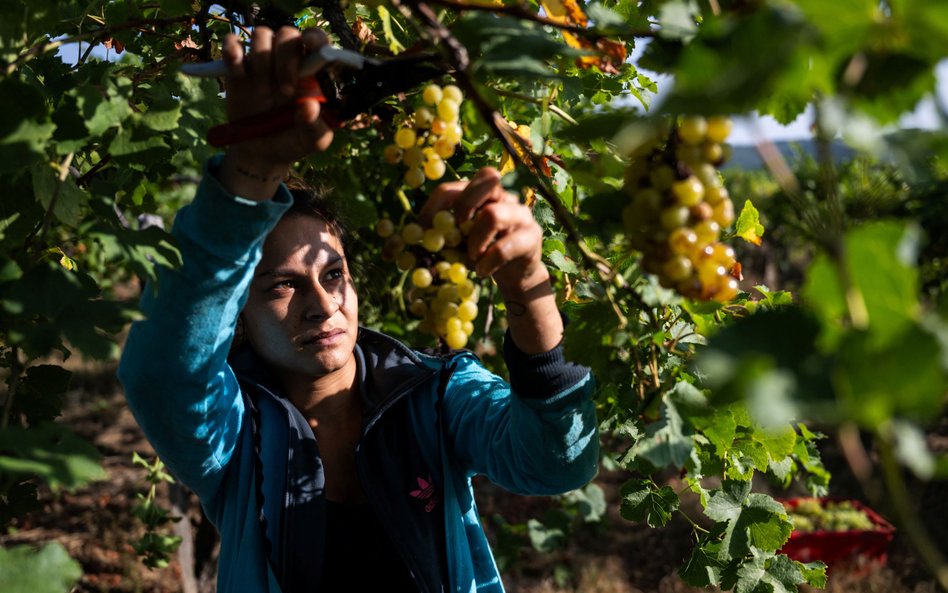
(317, 202)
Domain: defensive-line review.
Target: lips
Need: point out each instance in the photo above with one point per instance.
(324, 337)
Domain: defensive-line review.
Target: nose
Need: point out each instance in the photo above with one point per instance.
(320, 303)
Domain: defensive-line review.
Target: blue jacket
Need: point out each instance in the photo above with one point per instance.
(431, 423)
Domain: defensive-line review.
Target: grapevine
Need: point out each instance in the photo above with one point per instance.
(679, 206)
(426, 138)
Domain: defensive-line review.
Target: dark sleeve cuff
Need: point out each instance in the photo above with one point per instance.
(540, 376)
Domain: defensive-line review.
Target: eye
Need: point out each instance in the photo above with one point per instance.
(283, 285)
(335, 274)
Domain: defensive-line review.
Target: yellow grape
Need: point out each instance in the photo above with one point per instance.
(454, 324)
(468, 327)
(453, 237)
(442, 268)
(421, 277)
(444, 148)
(434, 168)
(674, 217)
(723, 213)
(689, 191)
(433, 240)
(438, 126)
(727, 291)
(456, 339)
(467, 289)
(682, 241)
(707, 231)
(677, 268)
(692, 129)
(405, 138)
(719, 128)
(448, 110)
(448, 292)
(662, 177)
(452, 134)
(432, 94)
(712, 152)
(714, 195)
(457, 273)
(467, 311)
(454, 93)
(423, 118)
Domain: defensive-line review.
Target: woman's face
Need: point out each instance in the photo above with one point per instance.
(301, 315)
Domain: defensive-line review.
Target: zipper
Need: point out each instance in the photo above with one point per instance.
(409, 560)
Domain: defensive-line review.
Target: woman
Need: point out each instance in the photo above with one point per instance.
(331, 457)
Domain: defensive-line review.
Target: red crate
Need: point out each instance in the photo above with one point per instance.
(833, 547)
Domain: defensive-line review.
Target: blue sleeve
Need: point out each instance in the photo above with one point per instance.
(538, 437)
(174, 364)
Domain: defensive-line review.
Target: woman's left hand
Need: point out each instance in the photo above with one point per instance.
(505, 240)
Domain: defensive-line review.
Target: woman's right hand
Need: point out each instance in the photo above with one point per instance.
(263, 80)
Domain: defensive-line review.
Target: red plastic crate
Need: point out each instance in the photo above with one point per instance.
(834, 547)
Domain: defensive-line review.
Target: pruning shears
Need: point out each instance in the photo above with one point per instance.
(357, 82)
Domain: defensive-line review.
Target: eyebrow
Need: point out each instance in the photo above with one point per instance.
(279, 272)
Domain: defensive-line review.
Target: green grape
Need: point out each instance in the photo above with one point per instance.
(443, 220)
(412, 233)
(677, 268)
(405, 261)
(441, 269)
(453, 237)
(712, 152)
(674, 217)
(414, 177)
(448, 293)
(662, 177)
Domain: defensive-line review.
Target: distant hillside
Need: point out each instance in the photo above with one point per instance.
(745, 156)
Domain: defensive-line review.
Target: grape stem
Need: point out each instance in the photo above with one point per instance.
(899, 495)
(545, 102)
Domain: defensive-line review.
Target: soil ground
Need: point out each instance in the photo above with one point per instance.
(612, 556)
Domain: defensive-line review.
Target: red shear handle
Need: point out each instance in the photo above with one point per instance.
(264, 124)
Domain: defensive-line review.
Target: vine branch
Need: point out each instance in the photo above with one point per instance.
(15, 371)
(106, 31)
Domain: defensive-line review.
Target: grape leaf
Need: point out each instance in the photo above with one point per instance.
(748, 225)
(773, 574)
(48, 570)
(666, 443)
(51, 452)
(643, 500)
(703, 567)
(753, 520)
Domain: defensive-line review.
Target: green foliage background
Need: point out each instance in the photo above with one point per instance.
(718, 393)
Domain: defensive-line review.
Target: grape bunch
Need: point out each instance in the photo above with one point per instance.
(442, 294)
(678, 208)
(426, 138)
(810, 514)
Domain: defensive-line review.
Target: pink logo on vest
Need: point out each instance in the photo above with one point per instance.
(426, 492)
